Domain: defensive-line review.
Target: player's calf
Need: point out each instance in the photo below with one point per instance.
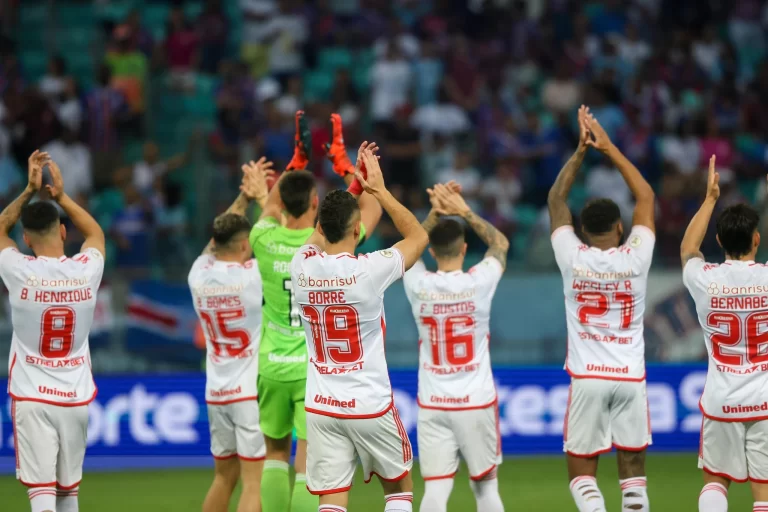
(634, 493)
(226, 474)
(66, 500)
(42, 499)
(486, 492)
(398, 496)
(714, 495)
(587, 495)
(436, 494)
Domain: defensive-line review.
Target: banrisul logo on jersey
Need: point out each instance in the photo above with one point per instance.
(161, 421)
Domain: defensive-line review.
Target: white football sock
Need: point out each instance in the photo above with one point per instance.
(331, 508)
(436, 494)
(42, 499)
(399, 502)
(713, 498)
(66, 501)
(487, 495)
(634, 494)
(587, 495)
(760, 506)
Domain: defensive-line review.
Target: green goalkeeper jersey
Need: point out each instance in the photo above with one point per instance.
(283, 349)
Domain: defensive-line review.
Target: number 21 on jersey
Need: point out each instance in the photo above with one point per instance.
(596, 305)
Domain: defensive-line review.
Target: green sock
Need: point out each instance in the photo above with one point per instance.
(275, 487)
(302, 500)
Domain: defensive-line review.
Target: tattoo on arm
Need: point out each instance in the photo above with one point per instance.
(10, 216)
(430, 222)
(559, 213)
(497, 243)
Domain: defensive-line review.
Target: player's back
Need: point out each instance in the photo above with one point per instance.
(452, 312)
(52, 305)
(227, 297)
(283, 349)
(341, 300)
(732, 305)
(605, 302)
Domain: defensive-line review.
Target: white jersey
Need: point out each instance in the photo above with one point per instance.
(227, 298)
(605, 304)
(732, 304)
(341, 303)
(52, 305)
(453, 313)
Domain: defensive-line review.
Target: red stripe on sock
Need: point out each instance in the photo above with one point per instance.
(714, 487)
(581, 479)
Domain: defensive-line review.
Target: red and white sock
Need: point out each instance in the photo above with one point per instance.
(713, 498)
(760, 506)
(42, 499)
(331, 508)
(66, 501)
(634, 493)
(400, 502)
(587, 495)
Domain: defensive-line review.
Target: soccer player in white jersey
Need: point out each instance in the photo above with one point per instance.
(349, 403)
(52, 303)
(732, 304)
(458, 408)
(226, 292)
(604, 282)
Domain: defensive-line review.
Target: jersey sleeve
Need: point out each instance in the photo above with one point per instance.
(487, 274)
(265, 225)
(385, 267)
(565, 243)
(10, 260)
(642, 241)
(93, 262)
(411, 278)
(693, 275)
(304, 252)
(199, 264)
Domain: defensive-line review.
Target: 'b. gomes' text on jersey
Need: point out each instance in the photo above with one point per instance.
(341, 302)
(52, 306)
(732, 305)
(604, 304)
(453, 312)
(227, 298)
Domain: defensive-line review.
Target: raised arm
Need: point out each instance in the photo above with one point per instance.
(557, 200)
(370, 209)
(83, 221)
(697, 229)
(453, 204)
(415, 238)
(253, 188)
(10, 215)
(645, 200)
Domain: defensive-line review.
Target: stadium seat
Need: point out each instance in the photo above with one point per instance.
(33, 14)
(34, 64)
(334, 58)
(72, 14)
(318, 84)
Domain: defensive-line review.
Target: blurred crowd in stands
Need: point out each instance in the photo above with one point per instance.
(483, 92)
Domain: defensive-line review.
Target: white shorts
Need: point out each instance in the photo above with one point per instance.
(334, 445)
(737, 451)
(604, 413)
(445, 434)
(50, 443)
(235, 431)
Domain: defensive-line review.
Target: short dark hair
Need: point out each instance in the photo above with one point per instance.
(447, 238)
(599, 216)
(336, 213)
(39, 217)
(296, 191)
(227, 226)
(736, 226)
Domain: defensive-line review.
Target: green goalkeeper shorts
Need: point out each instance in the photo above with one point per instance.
(281, 408)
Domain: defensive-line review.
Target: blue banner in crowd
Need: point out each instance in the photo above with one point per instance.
(166, 416)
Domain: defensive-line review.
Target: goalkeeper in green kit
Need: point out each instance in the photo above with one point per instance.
(285, 224)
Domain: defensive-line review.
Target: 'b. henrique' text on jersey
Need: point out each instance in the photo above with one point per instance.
(604, 304)
(341, 302)
(732, 305)
(52, 305)
(452, 312)
(227, 298)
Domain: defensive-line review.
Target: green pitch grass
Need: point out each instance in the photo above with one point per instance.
(526, 484)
